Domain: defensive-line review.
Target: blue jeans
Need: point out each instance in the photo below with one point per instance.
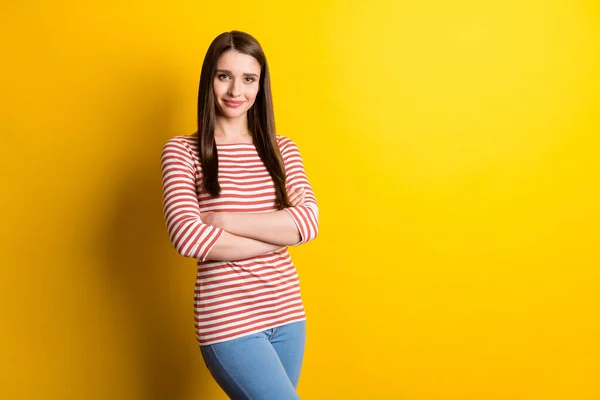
(264, 365)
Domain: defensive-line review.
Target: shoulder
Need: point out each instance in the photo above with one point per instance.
(182, 141)
(180, 145)
(286, 144)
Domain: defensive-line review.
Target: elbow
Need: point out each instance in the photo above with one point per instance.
(313, 226)
(308, 235)
(306, 220)
(313, 221)
(195, 242)
(313, 235)
(184, 250)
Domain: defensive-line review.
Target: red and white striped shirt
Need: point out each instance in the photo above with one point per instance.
(235, 298)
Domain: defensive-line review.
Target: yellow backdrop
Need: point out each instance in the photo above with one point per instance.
(453, 147)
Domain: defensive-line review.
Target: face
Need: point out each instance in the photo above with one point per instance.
(236, 83)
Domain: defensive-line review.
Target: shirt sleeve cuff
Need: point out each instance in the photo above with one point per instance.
(298, 221)
(209, 243)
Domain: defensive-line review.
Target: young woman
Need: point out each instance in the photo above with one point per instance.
(235, 196)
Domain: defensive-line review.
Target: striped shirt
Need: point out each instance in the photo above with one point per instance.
(235, 298)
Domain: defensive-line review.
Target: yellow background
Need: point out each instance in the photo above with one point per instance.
(453, 147)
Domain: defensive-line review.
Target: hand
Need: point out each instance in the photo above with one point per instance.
(296, 196)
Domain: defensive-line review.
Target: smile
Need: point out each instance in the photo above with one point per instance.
(233, 104)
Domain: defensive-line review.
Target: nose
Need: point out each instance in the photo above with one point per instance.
(234, 88)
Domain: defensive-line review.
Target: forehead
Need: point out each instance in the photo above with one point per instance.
(238, 63)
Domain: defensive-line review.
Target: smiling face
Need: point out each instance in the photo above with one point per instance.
(236, 84)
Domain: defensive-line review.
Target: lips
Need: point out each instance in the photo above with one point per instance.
(233, 104)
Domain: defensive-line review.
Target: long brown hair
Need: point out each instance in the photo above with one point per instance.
(261, 120)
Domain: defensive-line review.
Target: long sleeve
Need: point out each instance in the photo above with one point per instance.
(189, 235)
(305, 216)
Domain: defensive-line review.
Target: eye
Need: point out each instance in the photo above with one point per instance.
(250, 79)
(223, 76)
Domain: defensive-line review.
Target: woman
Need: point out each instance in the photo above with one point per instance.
(235, 195)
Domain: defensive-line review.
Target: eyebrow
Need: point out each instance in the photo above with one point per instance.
(229, 72)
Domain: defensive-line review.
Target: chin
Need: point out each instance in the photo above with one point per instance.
(235, 114)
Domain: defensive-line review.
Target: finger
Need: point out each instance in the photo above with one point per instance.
(297, 200)
(295, 196)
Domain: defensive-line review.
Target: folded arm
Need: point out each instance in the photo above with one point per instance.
(306, 215)
(232, 247)
(191, 236)
(288, 227)
(271, 227)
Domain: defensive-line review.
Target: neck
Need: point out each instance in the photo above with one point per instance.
(229, 130)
